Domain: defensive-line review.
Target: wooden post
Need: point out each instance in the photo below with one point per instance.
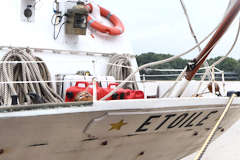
(211, 44)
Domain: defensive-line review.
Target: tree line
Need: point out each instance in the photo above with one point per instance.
(230, 66)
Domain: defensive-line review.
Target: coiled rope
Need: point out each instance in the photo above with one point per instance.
(119, 67)
(25, 72)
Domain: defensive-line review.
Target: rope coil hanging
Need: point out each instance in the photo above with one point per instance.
(119, 72)
(25, 72)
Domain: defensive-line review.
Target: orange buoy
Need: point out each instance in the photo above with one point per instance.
(117, 28)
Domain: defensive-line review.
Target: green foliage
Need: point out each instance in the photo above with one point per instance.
(228, 65)
(152, 57)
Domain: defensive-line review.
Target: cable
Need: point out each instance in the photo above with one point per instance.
(194, 36)
(36, 3)
(230, 50)
(222, 58)
(157, 63)
(25, 72)
(54, 35)
(55, 23)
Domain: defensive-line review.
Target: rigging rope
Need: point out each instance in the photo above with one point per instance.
(230, 50)
(222, 58)
(214, 130)
(25, 72)
(120, 68)
(195, 37)
(207, 72)
(189, 24)
(158, 63)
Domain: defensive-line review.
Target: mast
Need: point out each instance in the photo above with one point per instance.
(211, 44)
(193, 67)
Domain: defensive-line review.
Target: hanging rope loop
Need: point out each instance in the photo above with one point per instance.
(26, 92)
(119, 72)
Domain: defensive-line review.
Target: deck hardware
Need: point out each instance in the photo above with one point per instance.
(195, 133)
(77, 19)
(1, 151)
(89, 139)
(28, 10)
(104, 143)
(130, 135)
(38, 145)
(14, 99)
(36, 99)
(141, 153)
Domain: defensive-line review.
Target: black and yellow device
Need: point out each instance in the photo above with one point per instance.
(77, 20)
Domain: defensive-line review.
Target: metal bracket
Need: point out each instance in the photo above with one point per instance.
(27, 11)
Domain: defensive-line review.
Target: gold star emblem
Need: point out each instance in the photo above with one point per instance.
(118, 125)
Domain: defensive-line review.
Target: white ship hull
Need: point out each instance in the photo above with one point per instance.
(143, 129)
(166, 129)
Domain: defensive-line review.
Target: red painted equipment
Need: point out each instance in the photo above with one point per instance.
(101, 92)
(72, 92)
(124, 93)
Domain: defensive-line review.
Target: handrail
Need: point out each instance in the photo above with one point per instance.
(60, 51)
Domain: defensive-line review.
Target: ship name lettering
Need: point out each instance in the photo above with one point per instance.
(184, 120)
(205, 118)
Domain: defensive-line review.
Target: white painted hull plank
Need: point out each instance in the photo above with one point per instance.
(113, 135)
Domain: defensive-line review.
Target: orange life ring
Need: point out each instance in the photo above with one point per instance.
(117, 28)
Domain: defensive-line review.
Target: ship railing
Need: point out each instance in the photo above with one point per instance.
(63, 51)
(144, 80)
(93, 83)
(213, 69)
(94, 86)
(173, 73)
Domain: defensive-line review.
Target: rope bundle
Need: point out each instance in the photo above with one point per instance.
(11, 72)
(116, 70)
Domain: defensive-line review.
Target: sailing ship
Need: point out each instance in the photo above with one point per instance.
(71, 89)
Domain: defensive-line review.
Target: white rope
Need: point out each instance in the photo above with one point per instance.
(119, 65)
(214, 130)
(221, 59)
(189, 24)
(117, 69)
(157, 63)
(230, 50)
(169, 91)
(208, 69)
(208, 72)
(25, 72)
(25, 62)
